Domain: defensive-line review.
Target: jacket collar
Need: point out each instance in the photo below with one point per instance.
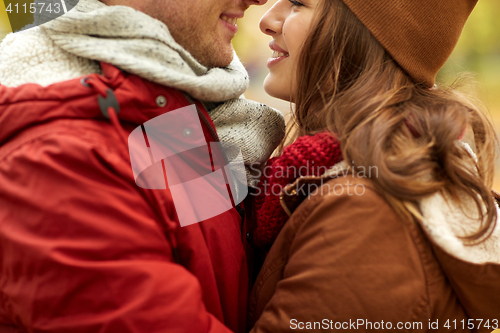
(294, 194)
(30, 104)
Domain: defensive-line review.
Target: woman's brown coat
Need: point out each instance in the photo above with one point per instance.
(345, 260)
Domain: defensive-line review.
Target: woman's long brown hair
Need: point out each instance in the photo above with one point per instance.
(349, 85)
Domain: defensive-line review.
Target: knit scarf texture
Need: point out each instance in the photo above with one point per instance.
(142, 45)
(139, 44)
(307, 156)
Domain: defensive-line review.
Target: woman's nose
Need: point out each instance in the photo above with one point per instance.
(272, 21)
(256, 2)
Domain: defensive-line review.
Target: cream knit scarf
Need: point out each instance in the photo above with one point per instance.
(71, 45)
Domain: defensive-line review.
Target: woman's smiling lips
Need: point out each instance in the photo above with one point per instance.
(229, 21)
(278, 54)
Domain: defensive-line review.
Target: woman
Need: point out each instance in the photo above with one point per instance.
(393, 224)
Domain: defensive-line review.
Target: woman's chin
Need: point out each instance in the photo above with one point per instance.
(276, 90)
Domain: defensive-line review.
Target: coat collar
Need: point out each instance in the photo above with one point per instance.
(294, 194)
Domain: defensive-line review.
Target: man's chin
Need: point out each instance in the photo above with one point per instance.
(218, 59)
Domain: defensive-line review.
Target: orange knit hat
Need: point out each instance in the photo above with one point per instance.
(419, 34)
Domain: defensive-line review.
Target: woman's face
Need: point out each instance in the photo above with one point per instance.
(288, 22)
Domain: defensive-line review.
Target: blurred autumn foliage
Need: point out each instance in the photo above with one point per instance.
(478, 51)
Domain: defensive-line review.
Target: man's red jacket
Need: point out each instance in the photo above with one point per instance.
(82, 247)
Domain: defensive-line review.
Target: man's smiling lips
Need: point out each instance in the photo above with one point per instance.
(279, 54)
(229, 21)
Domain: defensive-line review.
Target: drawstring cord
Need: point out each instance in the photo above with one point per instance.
(113, 117)
(110, 108)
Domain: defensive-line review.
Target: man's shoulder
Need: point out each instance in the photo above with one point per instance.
(72, 138)
(32, 57)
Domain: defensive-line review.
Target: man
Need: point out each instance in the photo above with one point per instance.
(90, 240)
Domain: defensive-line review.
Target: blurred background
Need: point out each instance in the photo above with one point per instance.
(478, 51)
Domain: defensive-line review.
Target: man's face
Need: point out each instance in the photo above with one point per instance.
(201, 26)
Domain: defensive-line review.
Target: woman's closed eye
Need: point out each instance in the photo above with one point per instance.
(296, 3)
